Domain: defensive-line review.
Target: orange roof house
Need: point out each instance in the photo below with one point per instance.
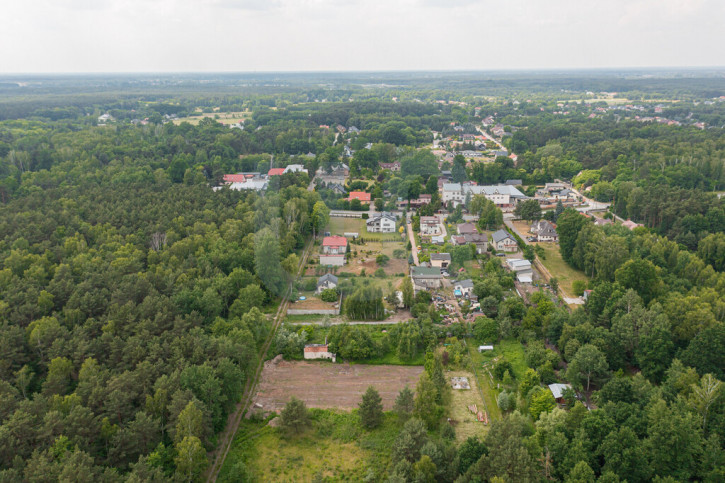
(359, 195)
(275, 172)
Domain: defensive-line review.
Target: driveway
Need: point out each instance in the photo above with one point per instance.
(413, 247)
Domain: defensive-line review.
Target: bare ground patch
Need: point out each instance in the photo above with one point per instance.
(328, 386)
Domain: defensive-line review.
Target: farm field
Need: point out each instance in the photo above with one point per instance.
(466, 424)
(223, 117)
(330, 386)
(560, 269)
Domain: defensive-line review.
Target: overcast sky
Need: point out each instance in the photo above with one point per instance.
(313, 35)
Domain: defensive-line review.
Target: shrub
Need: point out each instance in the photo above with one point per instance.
(329, 295)
(578, 286)
(382, 259)
(380, 273)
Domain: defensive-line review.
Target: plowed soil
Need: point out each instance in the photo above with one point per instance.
(325, 385)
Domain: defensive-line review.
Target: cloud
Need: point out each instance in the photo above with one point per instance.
(247, 4)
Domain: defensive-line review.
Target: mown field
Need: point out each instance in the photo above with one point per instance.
(560, 269)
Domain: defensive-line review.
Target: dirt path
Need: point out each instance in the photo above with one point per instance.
(413, 246)
(227, 436)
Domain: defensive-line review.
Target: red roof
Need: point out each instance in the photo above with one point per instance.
(316, 348)
(275, 171)
(334, 241)
(359, 195)
(235, 178)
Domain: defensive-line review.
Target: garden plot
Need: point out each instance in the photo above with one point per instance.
(326, 385)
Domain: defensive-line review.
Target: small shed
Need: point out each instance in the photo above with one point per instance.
(557, 390)
(484, 348)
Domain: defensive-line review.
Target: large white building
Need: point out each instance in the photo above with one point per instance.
(504, 196)
(381, 223)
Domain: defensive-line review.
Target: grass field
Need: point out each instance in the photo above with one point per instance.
(466, 423)
(339, 226)
(560, 269)
(510, 350)
(334, 448)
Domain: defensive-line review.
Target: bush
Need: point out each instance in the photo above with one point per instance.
(329, 295)
(501, 368)
(578, 286)
(485, 329)
(380, 273)
(506, 401)
(309, 284)
(399, 253)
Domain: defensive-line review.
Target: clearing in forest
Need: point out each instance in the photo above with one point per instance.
(330, 386)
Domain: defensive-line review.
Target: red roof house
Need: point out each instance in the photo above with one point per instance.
(359, 195)
(275, 172)
(334, 245)
(235, 178)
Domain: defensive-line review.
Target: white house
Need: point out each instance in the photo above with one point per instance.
(295, 168)
(464, 286)
(504, 242)
(544, 231)
(318, 351)
(430, 225)
(325, 282)
(381, 223)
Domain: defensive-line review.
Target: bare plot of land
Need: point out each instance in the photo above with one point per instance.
(326, 385)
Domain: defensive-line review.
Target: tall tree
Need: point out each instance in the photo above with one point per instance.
(371, 409)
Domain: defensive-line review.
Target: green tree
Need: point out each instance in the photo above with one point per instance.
(640, 275)
(371, 409)
(528, 210)
(294, 417)
(408, 293)
(569, 223)
(589, 363)
(426, 402)
(542, 401)
(581, 473)
(404, 404)
(190, 459)
(189, 423)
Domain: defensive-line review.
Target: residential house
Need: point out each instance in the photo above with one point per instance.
(631, 225)
(359, 195)
(478, 239)
(275, 172)
(318, 351)
(325, 282)
(464, 288)
(295, 168)
(503, 241)
(558, 391)
(457, 240)
(466, 229)
(333, 251)
(337, 188)
(381, 223)
(424, 199)
(425, 278)
(430, 225)
(603, 221)
(544, 231)
(441, 260)
(394, 166)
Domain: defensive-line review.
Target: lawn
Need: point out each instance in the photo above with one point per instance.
(560, 269)
(340, 226)
(334, 448)
(508, 349)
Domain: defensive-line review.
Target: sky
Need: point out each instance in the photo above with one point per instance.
(49, 36)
